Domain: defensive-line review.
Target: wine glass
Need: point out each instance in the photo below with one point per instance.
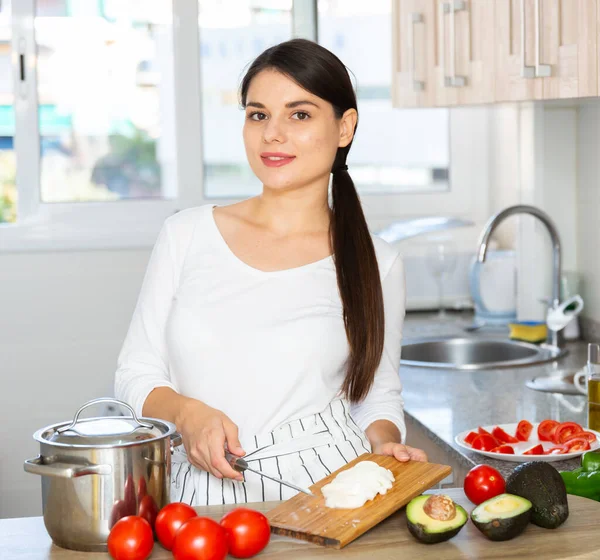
(441, 261)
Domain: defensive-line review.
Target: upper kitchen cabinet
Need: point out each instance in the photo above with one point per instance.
(413, 41)
(443, 52)
(463, 52)
(546, 49)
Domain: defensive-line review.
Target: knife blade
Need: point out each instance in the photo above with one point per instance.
(240, 465)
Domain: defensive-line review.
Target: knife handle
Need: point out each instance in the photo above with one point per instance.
(237, 463)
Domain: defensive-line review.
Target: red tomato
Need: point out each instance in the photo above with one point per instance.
(560, 450)
(130, 539)
(545, 430)
(482, 483)
(566, 430)
(577, 444)
(506, 449)
(484, 442)
(470, 437)
(169, 520)
(248, 532)
(524, 430)
(200, 538)
(502, 436)
(587, 435)
(535, 450)
(148, 510)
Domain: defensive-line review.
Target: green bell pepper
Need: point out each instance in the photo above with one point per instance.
(582, 483)
(591, 461)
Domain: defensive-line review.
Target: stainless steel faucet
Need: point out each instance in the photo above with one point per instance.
(492, 224)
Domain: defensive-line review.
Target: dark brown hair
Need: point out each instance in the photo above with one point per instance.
(323, 74)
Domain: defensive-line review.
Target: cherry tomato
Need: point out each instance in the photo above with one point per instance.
(148, 510)
(130, 539)
(524, 430)
(470, 437)
(535, 450)
(502, 436)
(566, 430)
(504, 448)
(169, 520)
(577, 444)
(587, 435)
(248, 532)
(200, 538)
(545, 430)
(484, 442)
(482, 483)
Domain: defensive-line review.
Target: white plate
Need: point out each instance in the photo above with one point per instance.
(522, 446)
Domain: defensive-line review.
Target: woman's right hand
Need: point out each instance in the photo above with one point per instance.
(205, 432)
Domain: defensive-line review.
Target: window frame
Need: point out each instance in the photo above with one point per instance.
(135, 223)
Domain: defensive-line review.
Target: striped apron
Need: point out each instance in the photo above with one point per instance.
(302, 451)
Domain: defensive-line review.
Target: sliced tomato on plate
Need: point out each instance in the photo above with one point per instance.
(565, 430)
(502, 436)
(535, 450)
(546, 429)
(506, 449)
(577, 444)
(483, 432)
(587, 435)
(560, 450)
(484, 442)
(470, 437)
(524, 430)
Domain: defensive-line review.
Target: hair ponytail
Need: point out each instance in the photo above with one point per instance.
(322, 73)
(359, 285)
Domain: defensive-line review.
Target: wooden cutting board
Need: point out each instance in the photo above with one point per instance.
(307, 518)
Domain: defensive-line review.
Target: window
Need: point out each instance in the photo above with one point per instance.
(8, 168)
(104, 89)
(232, 34)
(395, 150)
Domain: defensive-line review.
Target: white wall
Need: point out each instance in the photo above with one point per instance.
(63, 317)
(588, 206)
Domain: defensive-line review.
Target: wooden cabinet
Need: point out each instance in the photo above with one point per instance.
(414, 53)
(463, 52)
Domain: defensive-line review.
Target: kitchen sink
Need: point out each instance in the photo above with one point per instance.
(475, 353)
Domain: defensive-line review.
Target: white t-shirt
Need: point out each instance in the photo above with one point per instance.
(263, 347)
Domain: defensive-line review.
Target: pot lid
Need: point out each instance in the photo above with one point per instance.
(106, 431)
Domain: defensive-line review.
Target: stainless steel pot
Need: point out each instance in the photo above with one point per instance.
(97, 470)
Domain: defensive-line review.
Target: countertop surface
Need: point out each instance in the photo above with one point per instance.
(447, 402)
(577, 538)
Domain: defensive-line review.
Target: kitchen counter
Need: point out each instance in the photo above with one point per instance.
(577, 538)
(443, 403)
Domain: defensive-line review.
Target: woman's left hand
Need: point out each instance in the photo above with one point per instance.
(401, 452)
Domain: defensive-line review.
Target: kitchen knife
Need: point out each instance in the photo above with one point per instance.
(240, 465)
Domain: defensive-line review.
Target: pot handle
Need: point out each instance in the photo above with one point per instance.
(72, 425)
(176, 440)
(63, 470)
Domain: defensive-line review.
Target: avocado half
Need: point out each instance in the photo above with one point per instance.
(442, 526)
(503, 517)
(543, 486)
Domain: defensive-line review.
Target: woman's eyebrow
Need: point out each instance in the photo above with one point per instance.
(290, 105)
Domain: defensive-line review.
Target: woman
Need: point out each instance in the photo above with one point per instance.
(260, 326)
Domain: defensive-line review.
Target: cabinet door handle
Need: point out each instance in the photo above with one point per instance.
(415, 18)
(541, 70)
(451, 8)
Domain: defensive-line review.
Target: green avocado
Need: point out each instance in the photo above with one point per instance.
(442, 526)
(503, 517)
(542, 485)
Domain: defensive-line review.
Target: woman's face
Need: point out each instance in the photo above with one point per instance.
(291, 136)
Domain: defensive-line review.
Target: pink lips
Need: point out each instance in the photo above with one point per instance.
(285, 159)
